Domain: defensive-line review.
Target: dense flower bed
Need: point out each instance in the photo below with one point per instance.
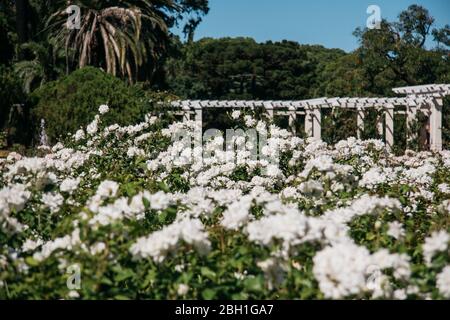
(125, 210)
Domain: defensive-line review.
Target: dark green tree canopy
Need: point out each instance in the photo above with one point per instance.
(240, 68)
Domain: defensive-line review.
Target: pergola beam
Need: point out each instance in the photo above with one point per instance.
(426, 98)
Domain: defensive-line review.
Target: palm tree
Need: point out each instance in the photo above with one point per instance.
(43, 65)
(119, 36)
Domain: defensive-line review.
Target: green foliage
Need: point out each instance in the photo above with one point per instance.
(6, 34)
(240, 68)
(227, 68)
(10, 94)
(72, 101)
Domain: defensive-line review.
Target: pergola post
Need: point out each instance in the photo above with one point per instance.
(411, 116)
(198, 114)
(269, 109)
(389, 123)
(186, 113)
(424, 129)
(199, 125)
(292, 118)
(317, 122)
(379, 124)
(360, 122)
(435, 92)
(308, 122)
(436, 124)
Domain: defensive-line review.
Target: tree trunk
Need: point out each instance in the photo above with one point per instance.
(22, 9)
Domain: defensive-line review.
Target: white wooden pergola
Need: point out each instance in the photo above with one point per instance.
(427, 99)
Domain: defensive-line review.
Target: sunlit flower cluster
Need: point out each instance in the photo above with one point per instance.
(162, 210)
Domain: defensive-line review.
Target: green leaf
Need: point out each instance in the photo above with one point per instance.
(123, 275)
(149, 278)
(146, 203)
(163, 187)
(370, 236)
(208, 273)
(208, 294)
(254, 284)
(106, 281)
(239, 296)
(167, 215)
(31, 261)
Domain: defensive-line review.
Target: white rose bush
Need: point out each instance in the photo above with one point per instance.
(146, 216)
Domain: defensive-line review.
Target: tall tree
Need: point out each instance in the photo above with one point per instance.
(126, 38)
(22, 19)
(415, 25)
(442, 37)
(7, 31)
(120, 36)
(395, 54)
(240, 68)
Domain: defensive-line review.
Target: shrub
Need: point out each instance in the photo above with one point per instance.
(72, 101)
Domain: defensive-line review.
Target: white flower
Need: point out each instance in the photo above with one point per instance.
(261, 127)
(92, 128)
(249, 121)
(79, 135)
(103, 109)
(273, 170)
(98, 248)
(67, 242)
(396, 230)
(30, 245)
(235, 114)
(445, 206)
(437, 242)
(443, 282)
(444, 188)
(237, 214)
(400, 294)
(346, 269)
(372, 178)
(159, 201)
(183, 289)
(13, 156)
(289, 192)
(161, 243)
(110, 212)
(73, 294)
(133, 152)
(290, 228)
(52, 201)
(107, 189)
(341, 270)
(240, 275)
(69, 185)
(13, 198)
(311, 187)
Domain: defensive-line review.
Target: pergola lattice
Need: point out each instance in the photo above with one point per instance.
(427, 99)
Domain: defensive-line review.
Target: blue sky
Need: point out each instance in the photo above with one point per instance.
(326, 22)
